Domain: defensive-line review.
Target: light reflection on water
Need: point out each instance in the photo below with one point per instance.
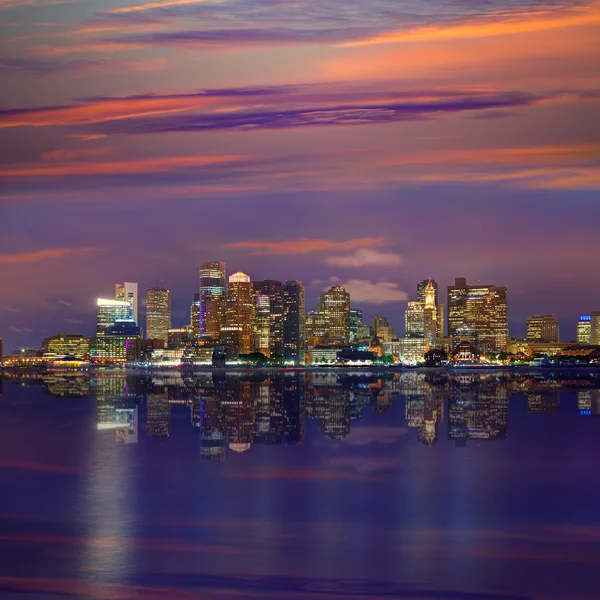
(294, 484)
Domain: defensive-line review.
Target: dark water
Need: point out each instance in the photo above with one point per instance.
(422, 485)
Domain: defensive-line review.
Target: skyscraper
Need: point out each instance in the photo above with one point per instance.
(485, 307)
(294, 343)
(262, 323)
(422, 287)
(110, 311)
(274, 290)
(335, 304)
(414, 320)
(128, 292)
(584, 329)
(542, 329)
(595, 328)
(212, 298)
(195, 317)
(356, 321)
(158, 314)
(240, 308)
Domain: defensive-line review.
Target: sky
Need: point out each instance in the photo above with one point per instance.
(372, 144)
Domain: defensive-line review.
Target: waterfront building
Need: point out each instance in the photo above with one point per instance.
(335, 305)
(128, 292)
(584, 329)
(178, 337)
(66, 344)
(212, 298)
(240, 309)
(411, 350)
(110, 311)
(542, 329)
(485, 307)
(595, 328)
(112, 345)
(158, 314)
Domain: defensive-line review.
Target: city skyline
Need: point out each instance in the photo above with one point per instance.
(374, 143)
(259, 301)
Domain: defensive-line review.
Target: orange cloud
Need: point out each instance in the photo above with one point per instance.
(103, 110)
(41, 255)
(481, 28)
(154, 5)
(145, 165)
(305, 245)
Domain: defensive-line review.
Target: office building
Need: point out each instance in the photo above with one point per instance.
(377, 323)
(110, 311)
(240, 309)
(178, 337)
(66, 344)
(274, 290)
(316, 328)
(412, 351)
(584, 329)
(158, 314)
(356, 321)
(212, 298)
(542, 329)
(262, 323)
(112, 345)
(335, 305)
(128, 292)
(414, 320)
(195, 317)
(485, 307)
(595, 328)
(294, 343)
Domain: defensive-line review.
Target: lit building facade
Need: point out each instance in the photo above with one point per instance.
(128, 292)
(356, 321)
(335, 305)
(195, 317)
(584, 329)
(274, 290)
(109, 312)
(66, 344)
(316, 328)
(542, 329)
(485, 307)
(294, 317)
(240, 309)
(212, 297)
(262, 323)
(412, 350)
(158, 314)
(595, 328)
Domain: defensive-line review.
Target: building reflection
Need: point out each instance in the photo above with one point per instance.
(233, 411)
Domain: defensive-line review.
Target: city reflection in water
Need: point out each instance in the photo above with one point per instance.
(232, 411)
(312, 485)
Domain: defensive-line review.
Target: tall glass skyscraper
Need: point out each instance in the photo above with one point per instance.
(240, 309)
(110, 311)
(212, 298)
(158, 314)
(294, 343)
(128, 292)
(335, 304)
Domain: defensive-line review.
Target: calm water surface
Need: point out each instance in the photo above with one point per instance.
(421, 485)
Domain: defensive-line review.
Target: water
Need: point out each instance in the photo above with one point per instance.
(423, 485)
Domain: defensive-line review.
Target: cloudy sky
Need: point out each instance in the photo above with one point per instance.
(368, 143)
